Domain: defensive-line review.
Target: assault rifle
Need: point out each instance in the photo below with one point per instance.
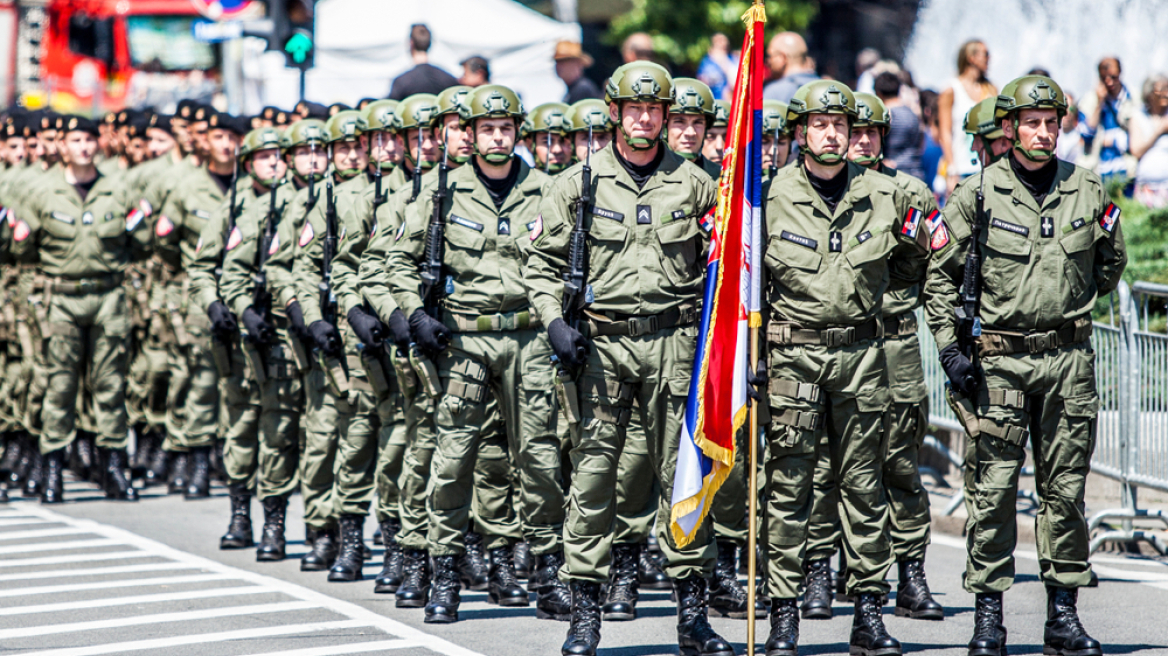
(969, 312)
(431, 289)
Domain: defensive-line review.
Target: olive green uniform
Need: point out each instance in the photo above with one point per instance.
(83, 248)
(908, 501)
(1043, 267)
(495, 337)
(826, 275)
(646, 274)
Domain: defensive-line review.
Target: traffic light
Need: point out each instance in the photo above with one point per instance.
(294, 31)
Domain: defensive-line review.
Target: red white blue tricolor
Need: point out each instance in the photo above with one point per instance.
(716, 407)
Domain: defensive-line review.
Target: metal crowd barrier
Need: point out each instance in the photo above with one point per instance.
(1131, 445)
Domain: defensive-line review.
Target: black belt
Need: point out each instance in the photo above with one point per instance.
(997, 341)
(89, 285)
(788, 334)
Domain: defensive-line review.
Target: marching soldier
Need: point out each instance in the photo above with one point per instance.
(776, 138)
(1019, 357)
(590, 113)
(715, 145)
(78, 227)
(690, 117)
(837, 239)
(908, 501)
(543, 135)
(645, 246)
(989, 140)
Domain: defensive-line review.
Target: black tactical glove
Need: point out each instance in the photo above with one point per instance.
(296, 321)
(367, 327)
(222, 321)
(429, 332)
(757, 379)
(961, 372)
(325, 336)
(399, 329)
(567, 342)
(258, 328)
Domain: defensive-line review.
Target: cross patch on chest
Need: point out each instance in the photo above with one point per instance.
(836, 242)
(1047, 227)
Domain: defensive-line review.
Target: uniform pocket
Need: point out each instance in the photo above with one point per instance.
(679, 250)
(790, 264)
(1007, 255)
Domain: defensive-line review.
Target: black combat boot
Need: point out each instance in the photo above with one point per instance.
(444, 598)
(1064, 634)
(989, 633)
(323, 552)
(272, 537)
(695, 636)
(472, 565)
(199, 483)
(521, 554)
(620, 602)
(415, 587)
(158, 471)
(218, 468)
(503, 588)
(179, 473)
(913, 598)
(117, 484)
(727, 596)
(144, 446)
(34, 479)
(351, 562)
(554, 598)
(53, 490)
(13, 445)
(391, 568)
(377, 539)
(84, 462)
(817, 592)
(649, 572)
(869, 637)
(784, 637)
(21, 461)
(238, 535)
(584, 634)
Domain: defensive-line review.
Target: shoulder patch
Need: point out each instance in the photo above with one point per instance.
(1110, 218)
(21, 231)
(940, 237)
(707, 220)
(133, 219)
(536, 228)
(199, 245)
(164, 226)
(932, 221)
(373, 229)
(274, 247)
(147, 208)
(306, 234)
(234, 239)
(401, 232)
(912, 223)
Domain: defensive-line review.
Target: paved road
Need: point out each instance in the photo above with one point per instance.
(96, 577)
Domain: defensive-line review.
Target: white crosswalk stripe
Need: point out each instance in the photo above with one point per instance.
(114, 603)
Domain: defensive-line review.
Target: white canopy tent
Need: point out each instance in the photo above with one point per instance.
(361, 45)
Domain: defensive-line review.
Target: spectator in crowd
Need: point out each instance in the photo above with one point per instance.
(790, 66)
(637, 46)
(970, 87)
(423, 77)
(571, 60)
(476, 72)
(932, 154)
(1105, 116)
(718, 68)
(1070, 141)
(905, 140)
(865, 70)
(1149, 143)
(910, 95)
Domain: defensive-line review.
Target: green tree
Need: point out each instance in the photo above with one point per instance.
(681, 30)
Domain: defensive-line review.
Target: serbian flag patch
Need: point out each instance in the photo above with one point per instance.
(164, 226)
(373, 229)
(274, 247)
(537, 230)
(707, 220)
(235, 238)
(21, 231)
(199, 245)
(912, 223)
(306, 234)
(134, 218)
(932, 221)
(1110, 218)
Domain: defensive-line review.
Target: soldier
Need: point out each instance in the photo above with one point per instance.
(645, 247)
(81, 233)
(989, 140)
(585, 114)
(251, 201)
(543, 135)
(908, 501)
(838, 237)
(691, 115)
(1021, 365)
(193, 402)
(776, 138)
(715, 144)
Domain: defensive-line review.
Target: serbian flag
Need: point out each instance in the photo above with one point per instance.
(716, 408)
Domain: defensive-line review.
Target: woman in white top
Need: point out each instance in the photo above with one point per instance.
(1149, 143)
(966, 90)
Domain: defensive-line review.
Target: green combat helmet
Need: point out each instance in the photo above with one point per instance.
(774, 117)
(491, 101)
(259, 140)
(871, 112)
(345, 125)
(448, 103)
(982, 124)
(308, 132)
(692, 97)
(586, 113)
(1030, 92)
(822, 97)
(643, 81)
(416, 112)
(722, 114)
(379, 115)
(546, 119)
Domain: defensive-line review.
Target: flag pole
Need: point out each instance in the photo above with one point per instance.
(752, 475)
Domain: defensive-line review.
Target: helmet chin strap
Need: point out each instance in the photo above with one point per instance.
(869, 161)
(827, 159)
(691, 157)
